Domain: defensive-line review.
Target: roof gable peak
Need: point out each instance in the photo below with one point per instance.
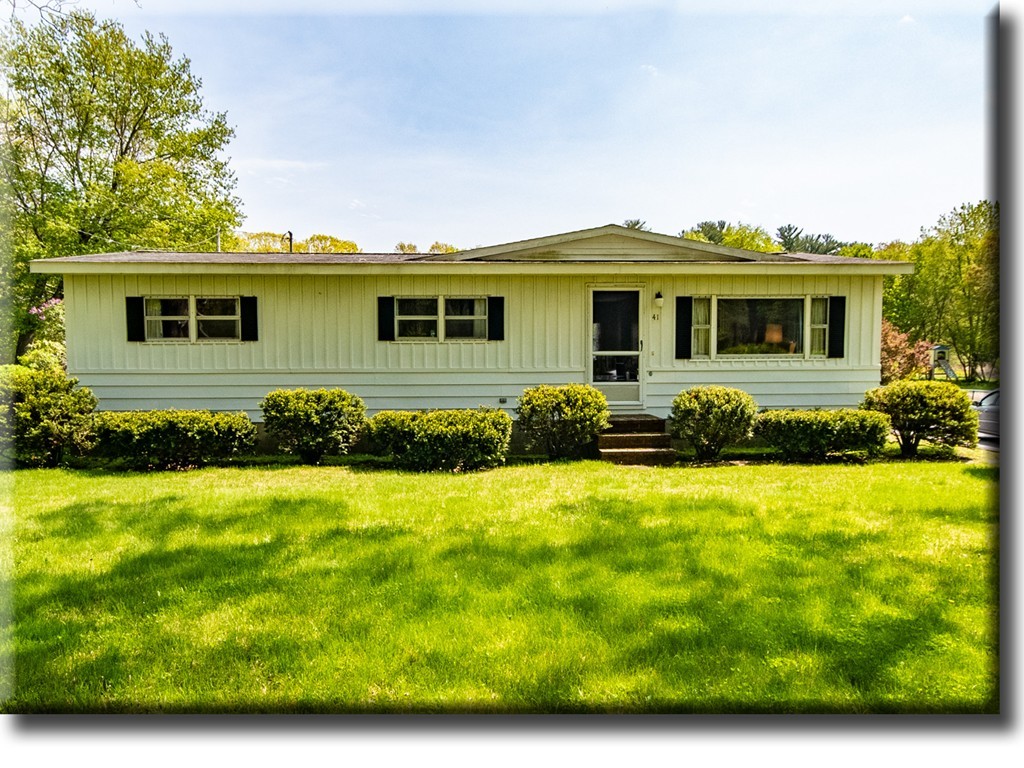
(611, 242)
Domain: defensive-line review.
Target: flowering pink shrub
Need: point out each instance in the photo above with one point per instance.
(901, 359)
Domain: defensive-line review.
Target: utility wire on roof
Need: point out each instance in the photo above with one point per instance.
(185, 248)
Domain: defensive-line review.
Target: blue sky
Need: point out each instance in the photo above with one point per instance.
(864, 120)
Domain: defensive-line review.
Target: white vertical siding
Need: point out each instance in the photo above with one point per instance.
(319, 330)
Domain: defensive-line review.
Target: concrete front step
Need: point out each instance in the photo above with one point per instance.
(659, 457)
(634, 440)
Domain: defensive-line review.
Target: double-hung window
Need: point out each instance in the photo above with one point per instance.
(217, 318)
(168, 319)
(416, 318)
(465, 318)
(701, 326)
(819, 326)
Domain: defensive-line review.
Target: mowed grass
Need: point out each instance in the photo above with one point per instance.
(576, 587)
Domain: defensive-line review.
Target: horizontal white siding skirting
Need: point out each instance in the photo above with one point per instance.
(384, 391)
(413, 390)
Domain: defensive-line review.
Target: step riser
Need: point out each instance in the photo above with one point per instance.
(631, 425)
(634, 440)
(652, 458)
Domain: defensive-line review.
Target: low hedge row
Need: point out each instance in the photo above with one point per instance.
(171, 439)
(45, 417)
(449, 440)
(815, 435)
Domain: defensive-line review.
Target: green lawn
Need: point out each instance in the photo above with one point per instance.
(576, 587)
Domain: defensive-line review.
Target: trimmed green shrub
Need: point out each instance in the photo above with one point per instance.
(313, 423)
(936, 411)
(391, 433)
(43, 415)
(45, 355)
(453, 440)
(172, 439)
(710, 418)
(814, 435)
(562, 421)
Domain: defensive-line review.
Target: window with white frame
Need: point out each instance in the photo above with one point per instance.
(465, 318)
(218, 318)
(701, 329)
(442, 318)
(416, 318)
(819, 326)
(167, 318)
(727, 326)
(192, 318)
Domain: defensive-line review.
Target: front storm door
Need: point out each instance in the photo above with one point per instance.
(616, 345)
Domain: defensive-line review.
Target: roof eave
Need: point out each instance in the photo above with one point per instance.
(426, 267)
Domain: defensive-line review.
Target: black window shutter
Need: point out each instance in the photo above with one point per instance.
(385, 318)
(135, 314)
(837, 326)
(495, 318)
(250, 324)
(684, 327)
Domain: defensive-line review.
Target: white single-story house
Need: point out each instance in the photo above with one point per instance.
(639, 315)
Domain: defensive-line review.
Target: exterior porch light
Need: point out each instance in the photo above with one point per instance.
(659, 300)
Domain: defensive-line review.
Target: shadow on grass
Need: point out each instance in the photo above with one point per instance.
(663, 599)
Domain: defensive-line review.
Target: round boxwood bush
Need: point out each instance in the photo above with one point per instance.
(938, 412)
(43, 415)
(711, 417)
(562, 421)
(313, 423)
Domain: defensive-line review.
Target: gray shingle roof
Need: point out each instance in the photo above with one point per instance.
(164, 257)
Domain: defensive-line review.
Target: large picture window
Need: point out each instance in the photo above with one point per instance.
(760, 326)
(804, 326)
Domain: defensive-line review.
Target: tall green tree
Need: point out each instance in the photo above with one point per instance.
(793, 240)
(953, 295)
(636, 224)
(969, 240)
(321, 243)
(438, 247)
(105, 145)
(739, 235)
